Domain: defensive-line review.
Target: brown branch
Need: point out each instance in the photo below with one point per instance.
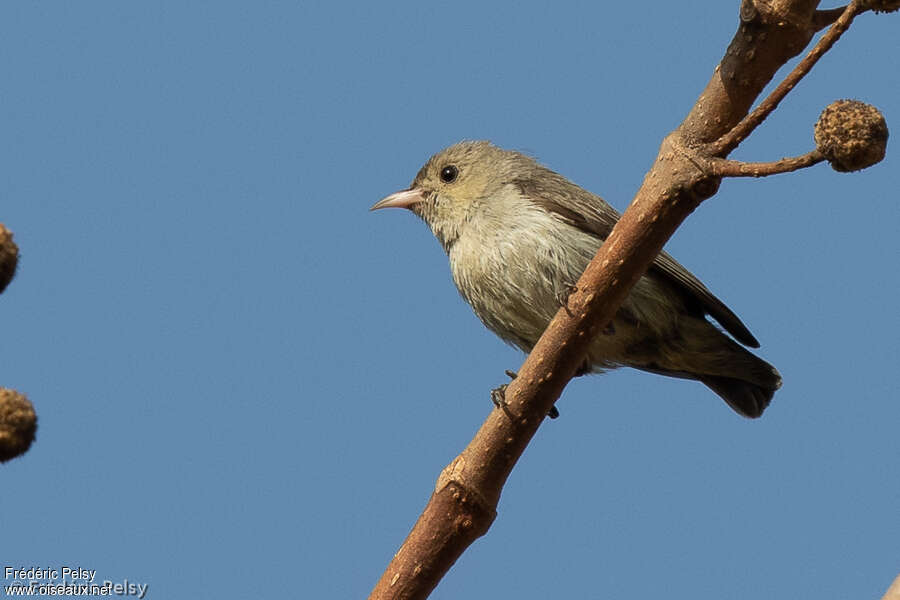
(893, 592)
(724, 145)
(464, 502)
(824, 18)
(722, 167)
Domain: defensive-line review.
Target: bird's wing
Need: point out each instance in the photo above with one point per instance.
(592, 214)
(684, 279)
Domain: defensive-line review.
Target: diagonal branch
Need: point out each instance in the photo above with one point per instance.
(824, 18)
(893, 592)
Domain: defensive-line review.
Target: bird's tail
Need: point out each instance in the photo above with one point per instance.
(747, 399)
(745, 381)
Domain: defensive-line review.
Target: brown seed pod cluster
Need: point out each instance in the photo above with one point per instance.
(852, 135)
(9, 257)
(18, 424)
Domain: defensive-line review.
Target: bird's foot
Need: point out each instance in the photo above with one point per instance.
(498, 396)
(563, 298)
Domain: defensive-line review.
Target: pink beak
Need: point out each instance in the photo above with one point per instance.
(403, 199)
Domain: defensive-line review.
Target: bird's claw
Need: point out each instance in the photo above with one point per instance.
(498, 397)
(563, 298)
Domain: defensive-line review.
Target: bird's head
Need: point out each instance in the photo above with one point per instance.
(448, 191)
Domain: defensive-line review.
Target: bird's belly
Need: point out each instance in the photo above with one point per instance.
(515, 281)
(516, 284)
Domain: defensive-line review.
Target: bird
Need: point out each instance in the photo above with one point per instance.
(518, 237)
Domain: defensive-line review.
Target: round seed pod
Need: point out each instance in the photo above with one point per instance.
(851, 135)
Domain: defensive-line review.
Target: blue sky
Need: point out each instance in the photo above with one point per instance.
(248, 384)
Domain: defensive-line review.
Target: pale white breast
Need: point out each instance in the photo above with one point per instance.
(513, 269)
(515, 264)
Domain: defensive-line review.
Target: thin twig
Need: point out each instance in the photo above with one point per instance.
(824, 18)
(728, 142)
(722, 167)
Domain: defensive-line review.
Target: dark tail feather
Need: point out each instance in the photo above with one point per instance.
(747, 399)
(743, 380)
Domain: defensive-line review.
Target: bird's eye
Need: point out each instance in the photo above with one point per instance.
(449, 173)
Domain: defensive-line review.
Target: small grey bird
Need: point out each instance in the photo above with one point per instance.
(520, 235)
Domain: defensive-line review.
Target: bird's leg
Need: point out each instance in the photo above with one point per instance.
(498, 396)
(562, 297)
